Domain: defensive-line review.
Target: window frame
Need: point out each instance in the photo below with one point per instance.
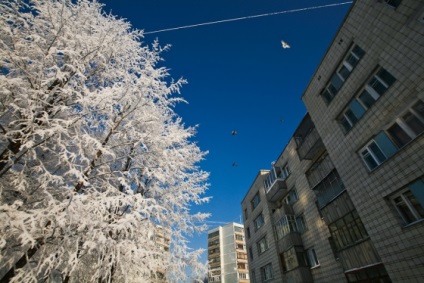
(268, 267)
(347, 231)
(312, 258)
(407, 201)
(350, 115)
(256, 200)
(372, 154)
(292, 196)
(251, 252)
(407, 129)
(252, 276)
(331, 89)
(259, 245)
(391, 142)
(303, 221)
(393, 5)
(260, 215)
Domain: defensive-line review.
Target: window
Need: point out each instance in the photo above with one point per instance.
(239, 237)
(342, 73)
(213, 243)
(285, 171)
(240, 247)
(292, 258)
(252, 276)
(300, 224)
(241, 256)
(248, 232)
(241, 265)
(291, 197)
(213, 251)
(329, 188)
(262, 245)
(259, 221)
(347, 230)
(251, 252)
(255, 201)
(266, 272)
(215, 279)
(409, 202)
(312, 258)
(375, 87)
(393, 3)
(243, 275)
(285, 225)
(245, 214)
(378, 150)
(406, 128)
(213, 234)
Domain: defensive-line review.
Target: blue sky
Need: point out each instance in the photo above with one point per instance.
(239, 78)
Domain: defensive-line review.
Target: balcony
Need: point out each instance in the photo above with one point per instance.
(300, 274)
(284, 209)
(289, 240)
(329, 189)
(275, 184)
(310, 146)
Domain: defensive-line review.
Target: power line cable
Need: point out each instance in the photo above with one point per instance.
(251, 17)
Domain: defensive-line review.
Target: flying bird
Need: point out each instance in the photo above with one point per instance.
(234, 164)
(233, 132)
(284, 44)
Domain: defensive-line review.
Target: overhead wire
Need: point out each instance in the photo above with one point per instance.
(251, 17)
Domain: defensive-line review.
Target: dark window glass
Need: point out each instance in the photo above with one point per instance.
(336, 83)
(351, 116)
(378, 153)
(327, 96)
(393, 3)
(404, 210)
(367, 99)
(369, 159)
(399, 136)
(386, 77)
(358, 51)
(346, 125)
(377, 86)
(344, 72)
(419, 108)
(414, 202)
(414, 123)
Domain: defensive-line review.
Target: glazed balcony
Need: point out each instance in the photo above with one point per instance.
(310, 146)
(275, 183)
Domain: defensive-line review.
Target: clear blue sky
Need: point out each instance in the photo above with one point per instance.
(239, 78)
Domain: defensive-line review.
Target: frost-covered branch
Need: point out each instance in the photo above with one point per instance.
(94, 162)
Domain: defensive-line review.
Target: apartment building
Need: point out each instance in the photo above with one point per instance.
(344, 201)
(227, 256)
(162, 240)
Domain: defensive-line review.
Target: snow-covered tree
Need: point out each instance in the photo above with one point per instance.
(94, 162)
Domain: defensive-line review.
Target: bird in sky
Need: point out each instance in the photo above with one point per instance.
(284, 44)
(233, 132)
(234, 164)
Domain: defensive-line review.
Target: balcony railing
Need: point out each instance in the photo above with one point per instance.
(331, 187)
(275, 184)
(311, 145)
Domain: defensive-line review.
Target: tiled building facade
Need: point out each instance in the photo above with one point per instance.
(227, 256)
(344, 202)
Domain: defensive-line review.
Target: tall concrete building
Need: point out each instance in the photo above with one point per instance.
(227, 254)
(344, 201)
